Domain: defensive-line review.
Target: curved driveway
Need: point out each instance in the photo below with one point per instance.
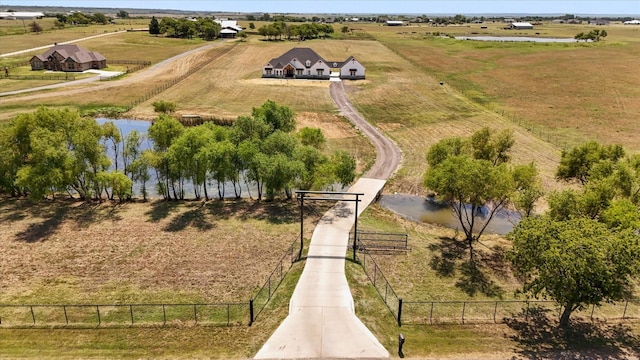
(322, 321)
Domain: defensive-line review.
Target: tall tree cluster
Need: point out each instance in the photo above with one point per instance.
(49, 152)
(205, 28)
(279, 29)
(586, 249)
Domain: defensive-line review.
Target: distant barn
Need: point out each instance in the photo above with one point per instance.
(520, 26)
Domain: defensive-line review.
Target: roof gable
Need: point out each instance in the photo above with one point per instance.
(301, 55)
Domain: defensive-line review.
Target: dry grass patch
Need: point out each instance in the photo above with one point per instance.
(572, 91)
(69, 251)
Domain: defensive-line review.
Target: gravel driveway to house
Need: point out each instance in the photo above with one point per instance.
(388, 155)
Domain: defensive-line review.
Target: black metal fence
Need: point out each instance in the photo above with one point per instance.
(380, 241)
(262, 297)
(382, 285)
(497, 311)
(478, 312)
(91, 315)
(113, 315)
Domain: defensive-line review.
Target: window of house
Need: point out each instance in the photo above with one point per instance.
(268, 71)
(299, 72)
(353, 72)
(308, 63)
(320, 72)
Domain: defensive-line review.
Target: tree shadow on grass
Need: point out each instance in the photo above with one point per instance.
(161, 209)
(541, 338)
(56, 212)
(451, 250)
(195, 217)
(474, 276)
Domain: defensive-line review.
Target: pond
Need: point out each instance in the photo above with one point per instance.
(126, 126)
(519, 39)
(428, 210)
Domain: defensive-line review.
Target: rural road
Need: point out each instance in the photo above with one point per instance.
(322, 322)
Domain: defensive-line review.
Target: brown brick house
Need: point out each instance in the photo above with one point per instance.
(68, 58)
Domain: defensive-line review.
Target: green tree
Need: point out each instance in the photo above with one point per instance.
(578, 162)
(474, 189)
(164, 131)
(344, 30)
(577, 262)
(100, 18)
(154, 26)
(278, 117)
(312, 137)
(472, 176)
(35, 27)
(165, 107)
(122, 14)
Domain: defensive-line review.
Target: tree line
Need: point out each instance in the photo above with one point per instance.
(279, 29)
(51, 152)
(203, 27)
(584, 250)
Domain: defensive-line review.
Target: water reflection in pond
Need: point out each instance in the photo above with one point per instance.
(127, 125)
(430, 211)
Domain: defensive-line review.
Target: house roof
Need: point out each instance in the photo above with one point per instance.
(519, 24)
(297, 57)
(74, 52)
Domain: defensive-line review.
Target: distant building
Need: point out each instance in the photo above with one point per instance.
(68, 58)
(15, 15)
(230, 28)
(599, 22)
(632, 22)
(394, 23)
(520, 26)
(304, 63)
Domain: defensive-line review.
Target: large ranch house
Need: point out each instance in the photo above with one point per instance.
(68, 58)
(304, 63)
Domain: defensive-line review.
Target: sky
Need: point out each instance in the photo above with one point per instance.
(583, 7)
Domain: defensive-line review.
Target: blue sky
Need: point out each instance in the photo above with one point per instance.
(614, 7)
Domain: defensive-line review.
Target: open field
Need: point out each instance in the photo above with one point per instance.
(566, 93)
(70, 252)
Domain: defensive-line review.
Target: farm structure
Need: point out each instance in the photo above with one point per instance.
(520, 26)
(305, 63)
(229, 28)
(68, 58)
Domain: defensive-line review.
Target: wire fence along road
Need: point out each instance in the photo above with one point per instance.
(479, 312)
(92, 315)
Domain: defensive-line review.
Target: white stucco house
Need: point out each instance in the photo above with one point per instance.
(304, 63)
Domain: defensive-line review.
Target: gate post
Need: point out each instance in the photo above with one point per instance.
(250, 312)
(399, 311)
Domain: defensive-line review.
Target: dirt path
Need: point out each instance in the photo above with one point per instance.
(388, 155)
(183, 62)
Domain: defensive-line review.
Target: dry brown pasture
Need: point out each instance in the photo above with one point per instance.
(66, 251)
(571, 92)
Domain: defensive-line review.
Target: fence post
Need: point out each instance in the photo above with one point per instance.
(431, 315)
(195, 314)
(250, 312)
(164, 316)
(131, 313)
(33, 316)
(228, 314)
(464, 306)
(98, 312)
(495, 309)
(66, 318)
(399, 311)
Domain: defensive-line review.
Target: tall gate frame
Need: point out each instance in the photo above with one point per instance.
(320, 196)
